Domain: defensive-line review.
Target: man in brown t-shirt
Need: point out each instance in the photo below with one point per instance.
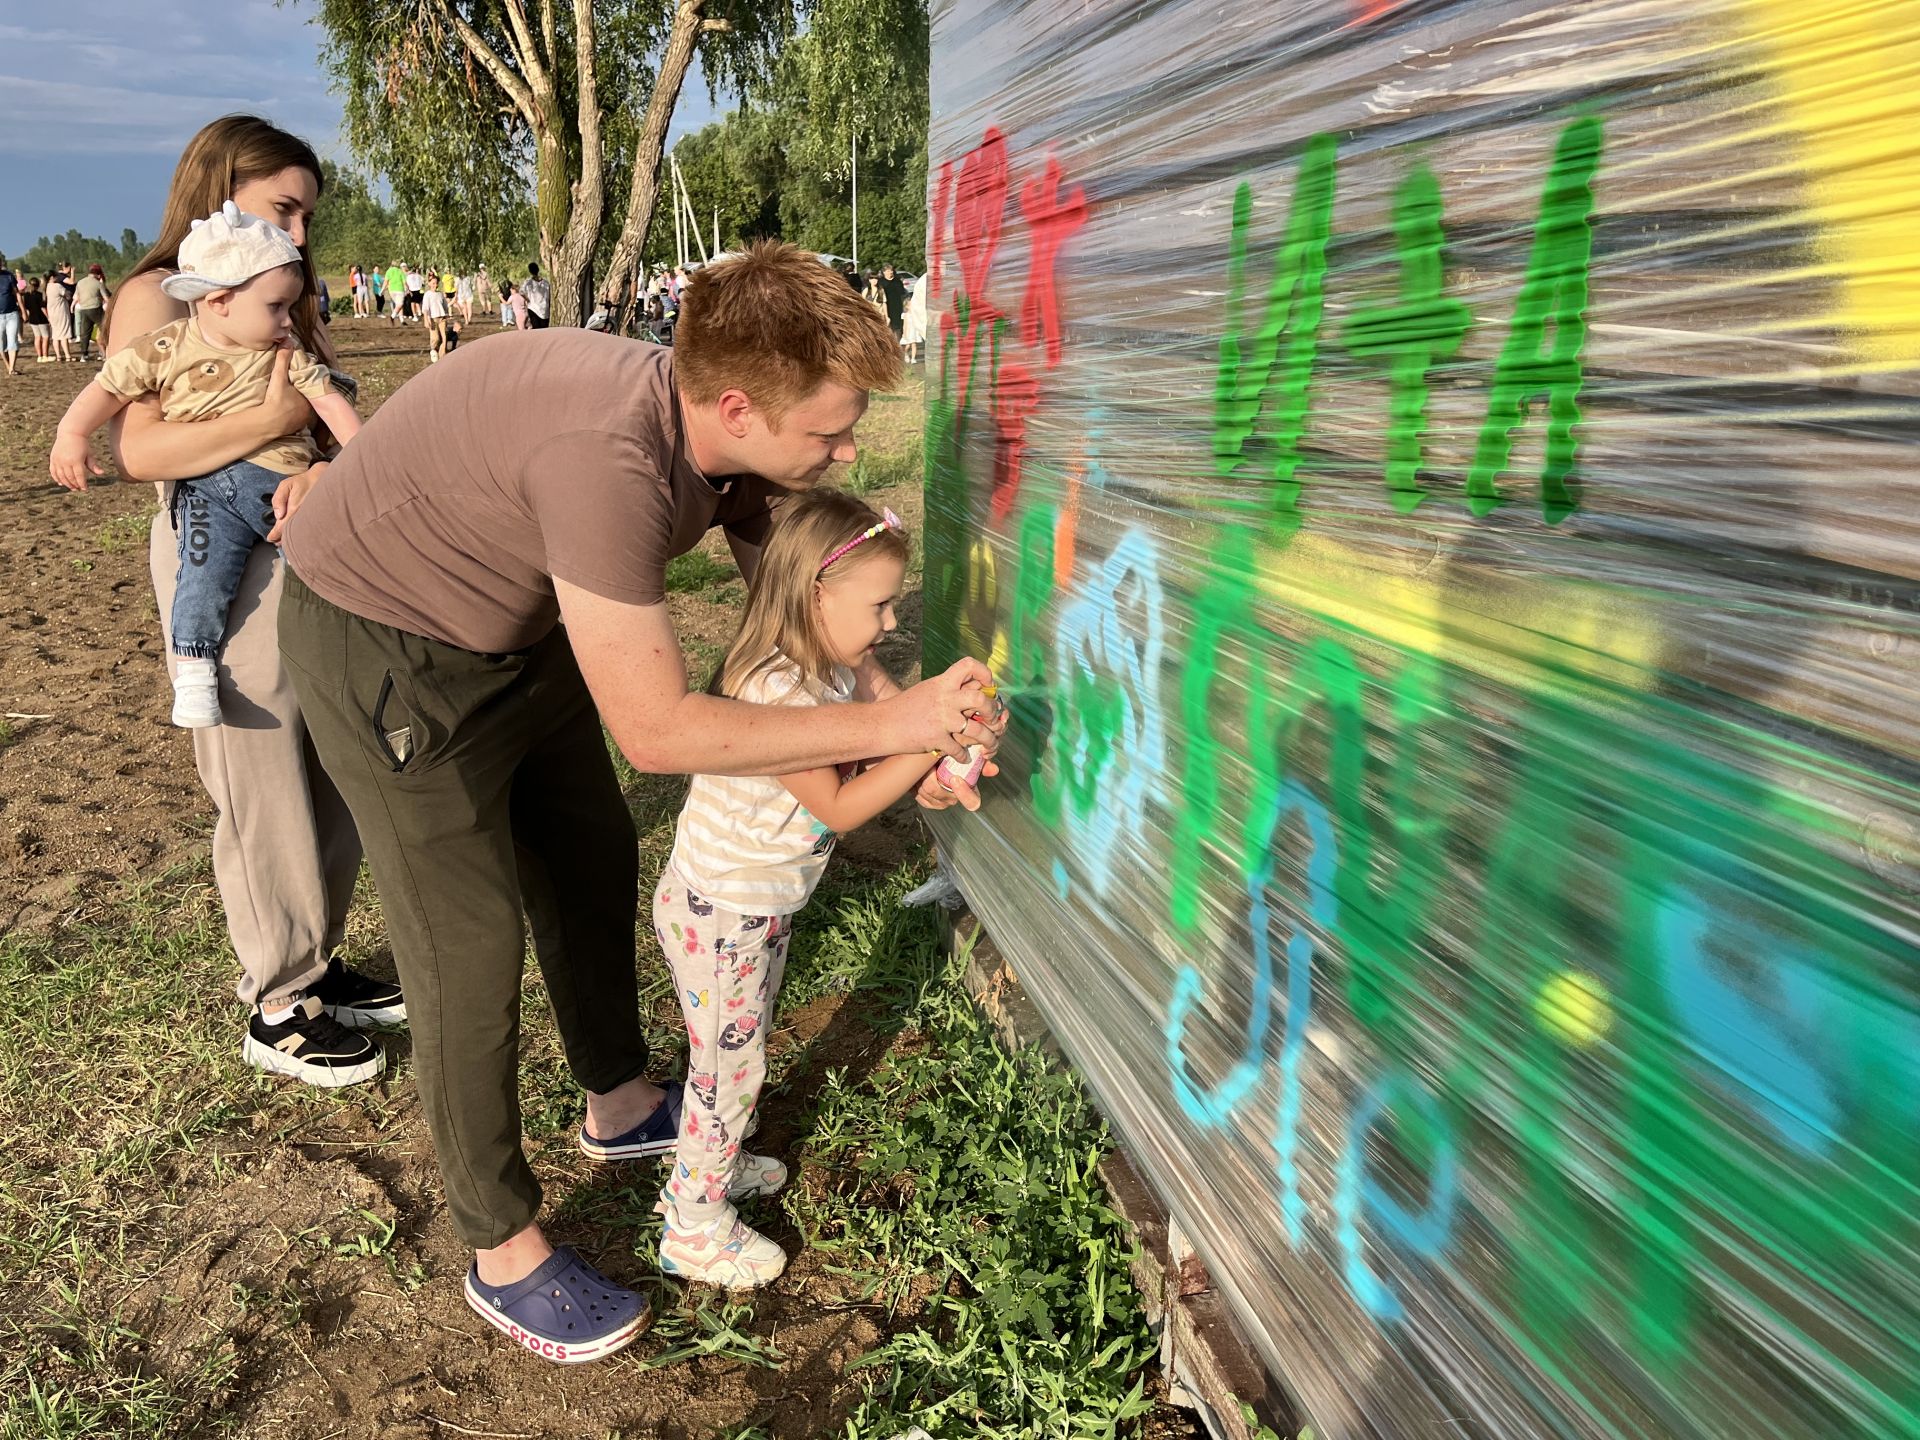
(531, 480)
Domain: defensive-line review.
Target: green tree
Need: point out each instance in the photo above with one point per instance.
(457, 101)
(82, 251)
(350, 225)
(859, 72)
(781, 164)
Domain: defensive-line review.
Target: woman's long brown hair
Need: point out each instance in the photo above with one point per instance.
(226, 154)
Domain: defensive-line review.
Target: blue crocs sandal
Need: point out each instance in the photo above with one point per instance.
(658, 1134)
(566, 1311)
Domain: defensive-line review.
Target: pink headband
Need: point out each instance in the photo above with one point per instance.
(888, 521)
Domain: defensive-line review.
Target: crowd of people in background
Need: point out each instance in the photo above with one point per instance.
(61, 312)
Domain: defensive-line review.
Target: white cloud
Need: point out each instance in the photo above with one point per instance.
(139, 77)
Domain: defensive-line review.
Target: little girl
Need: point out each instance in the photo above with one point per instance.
(246, 275)
(747, 854)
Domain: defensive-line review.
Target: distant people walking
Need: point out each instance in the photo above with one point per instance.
(538, 296)
(516, 306)
(463, 297)
(433, 302)
(90, 298)
(483, 289)
(894, 291)
(416, 287)
(33, 304)
(396, 294)
(377, 284)
(9, 317)
(357, 284)
(913, 332)
(60, 310)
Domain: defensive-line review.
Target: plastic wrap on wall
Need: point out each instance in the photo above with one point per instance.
(1441, 483)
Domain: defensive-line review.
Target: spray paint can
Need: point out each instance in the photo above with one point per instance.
(950, 770)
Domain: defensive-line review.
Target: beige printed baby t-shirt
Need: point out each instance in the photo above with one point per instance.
(197, 381)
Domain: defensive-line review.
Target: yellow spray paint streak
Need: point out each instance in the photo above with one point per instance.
(1848, 72)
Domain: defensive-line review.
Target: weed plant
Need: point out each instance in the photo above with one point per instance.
(962, 1163)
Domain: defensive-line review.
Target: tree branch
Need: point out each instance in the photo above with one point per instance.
(689, 23)
(716, 25)
(502, 73)
(546, 30)
(531, 60)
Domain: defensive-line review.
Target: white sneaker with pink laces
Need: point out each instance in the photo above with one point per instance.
(729, 1252)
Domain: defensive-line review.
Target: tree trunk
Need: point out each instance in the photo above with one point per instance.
(689, 21)
(571, 260)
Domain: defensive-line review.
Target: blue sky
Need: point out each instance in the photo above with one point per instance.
(97, 98)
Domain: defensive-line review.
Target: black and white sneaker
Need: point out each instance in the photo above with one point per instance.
(358, 1001)
(312, 1046)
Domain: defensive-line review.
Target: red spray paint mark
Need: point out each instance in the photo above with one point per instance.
(979, 210)
(942, 196)
(1053, 219)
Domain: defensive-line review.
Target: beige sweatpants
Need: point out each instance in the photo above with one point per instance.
(285, 853)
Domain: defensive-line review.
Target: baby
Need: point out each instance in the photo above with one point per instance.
(245, 276)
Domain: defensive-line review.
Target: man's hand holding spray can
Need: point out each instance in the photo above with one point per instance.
(950, 770)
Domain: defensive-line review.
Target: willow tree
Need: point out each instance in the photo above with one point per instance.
(458, 102)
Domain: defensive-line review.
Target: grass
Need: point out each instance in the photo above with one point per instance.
(695, 571)
(123, 532)
(876, 470)
(962, 1163)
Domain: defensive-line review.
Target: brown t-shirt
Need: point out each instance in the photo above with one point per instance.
(518, 459)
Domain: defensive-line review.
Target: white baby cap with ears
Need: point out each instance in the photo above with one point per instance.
(226, 250)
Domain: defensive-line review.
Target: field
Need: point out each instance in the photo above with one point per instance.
(189, 1248)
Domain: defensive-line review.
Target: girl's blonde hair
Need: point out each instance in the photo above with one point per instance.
(226, 154)
(782, 620)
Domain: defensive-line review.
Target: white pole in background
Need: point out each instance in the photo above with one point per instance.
(679, 219)
(855, 167)
(716, 229)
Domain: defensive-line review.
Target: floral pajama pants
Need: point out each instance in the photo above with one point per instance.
(727, 968)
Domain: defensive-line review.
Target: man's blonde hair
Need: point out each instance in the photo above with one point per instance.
(776, 323)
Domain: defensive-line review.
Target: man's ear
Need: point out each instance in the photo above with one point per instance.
(736, 412)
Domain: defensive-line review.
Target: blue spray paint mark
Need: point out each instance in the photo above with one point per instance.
(1095, 636)
(1323, 908)
(1061, 883)
(1753, 1046)
(1357, 1196)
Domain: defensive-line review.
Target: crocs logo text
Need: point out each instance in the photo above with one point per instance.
(548, 1348)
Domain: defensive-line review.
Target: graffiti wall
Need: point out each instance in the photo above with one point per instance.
(1441, 483)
